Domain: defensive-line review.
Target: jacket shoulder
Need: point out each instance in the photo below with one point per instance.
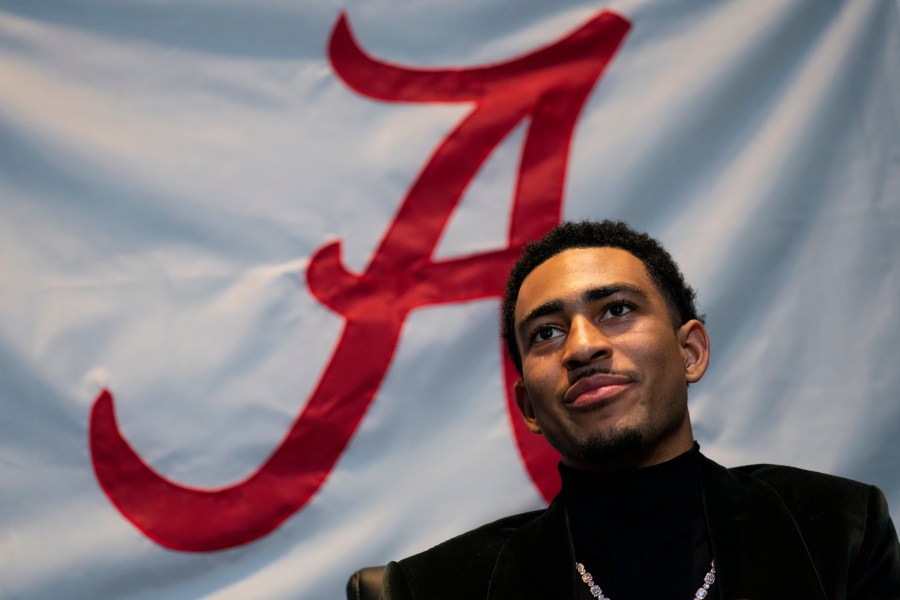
(845, 524)
(460, 567)
(780, 476)
(475, 546)
(815, 499)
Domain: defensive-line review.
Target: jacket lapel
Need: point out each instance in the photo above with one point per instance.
(537, 561)
(759, 551)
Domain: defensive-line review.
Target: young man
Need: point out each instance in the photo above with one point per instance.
(605, 334)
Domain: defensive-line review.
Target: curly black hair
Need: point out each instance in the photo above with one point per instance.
(662, 270)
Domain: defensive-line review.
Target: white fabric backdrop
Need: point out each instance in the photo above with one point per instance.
(168, 169)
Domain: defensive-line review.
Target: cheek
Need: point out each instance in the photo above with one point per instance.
(542, 382)
(539, 369)
(659, 359)
(670, 381)
(540, 389)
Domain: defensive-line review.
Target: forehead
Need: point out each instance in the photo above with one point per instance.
(573, 271)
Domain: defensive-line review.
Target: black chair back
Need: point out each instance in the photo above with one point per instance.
(365, 584)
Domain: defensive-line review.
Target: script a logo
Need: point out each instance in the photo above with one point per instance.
(549, 87)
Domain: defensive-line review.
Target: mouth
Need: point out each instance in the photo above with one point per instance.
(595, 389)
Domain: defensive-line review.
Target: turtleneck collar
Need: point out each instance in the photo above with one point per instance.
(635, 499)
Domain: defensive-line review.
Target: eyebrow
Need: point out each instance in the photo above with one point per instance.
(588, 296)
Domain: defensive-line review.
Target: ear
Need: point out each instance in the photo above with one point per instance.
(694, 342)
(523, 401)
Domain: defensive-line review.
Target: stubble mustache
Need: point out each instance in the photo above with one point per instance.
(590, 370)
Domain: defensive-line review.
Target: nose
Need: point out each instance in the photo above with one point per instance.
(585, 343)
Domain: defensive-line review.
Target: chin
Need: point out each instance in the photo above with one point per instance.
(610, 446)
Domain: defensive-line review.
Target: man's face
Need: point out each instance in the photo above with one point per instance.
(605, 369)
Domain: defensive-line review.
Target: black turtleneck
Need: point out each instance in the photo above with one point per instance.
(642, 532)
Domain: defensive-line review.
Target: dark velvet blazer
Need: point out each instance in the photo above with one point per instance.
(776, 533)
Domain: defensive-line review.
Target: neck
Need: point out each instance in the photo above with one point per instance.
(659, 482)
(633, 454)
(636, 499)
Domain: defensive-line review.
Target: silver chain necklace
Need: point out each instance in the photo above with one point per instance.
(596, 592)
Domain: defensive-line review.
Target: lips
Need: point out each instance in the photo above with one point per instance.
(595, 389)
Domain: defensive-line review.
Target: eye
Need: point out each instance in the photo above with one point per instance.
(617, 309)
(545, 333)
